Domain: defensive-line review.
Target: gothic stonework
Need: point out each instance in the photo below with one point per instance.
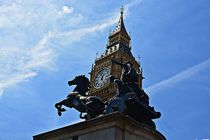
(119, 49)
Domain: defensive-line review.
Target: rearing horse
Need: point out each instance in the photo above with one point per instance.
(78, 99)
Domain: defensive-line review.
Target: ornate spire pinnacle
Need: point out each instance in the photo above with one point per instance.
(119, 35)
(120, 25)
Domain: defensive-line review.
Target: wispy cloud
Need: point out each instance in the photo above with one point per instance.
(20, 77)
(40, 54)
(66, 10)
(76, 35)
(20, 65)
(133, 3)
(27, 47)
(25, 38)
(185, 74)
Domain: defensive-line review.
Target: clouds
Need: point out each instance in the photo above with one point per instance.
(20, 64)
(66, 10)
(76, 34)
(22, 14)
(40, 55)
(185, 74)
(25, 36)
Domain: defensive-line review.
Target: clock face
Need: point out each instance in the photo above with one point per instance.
(101, 78)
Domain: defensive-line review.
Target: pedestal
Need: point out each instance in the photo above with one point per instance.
(109, 127)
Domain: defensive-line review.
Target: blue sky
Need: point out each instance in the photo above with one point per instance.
(43, 44)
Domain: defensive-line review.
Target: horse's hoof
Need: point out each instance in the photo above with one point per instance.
(59, 113)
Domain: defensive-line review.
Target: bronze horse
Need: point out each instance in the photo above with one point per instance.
(91, 105)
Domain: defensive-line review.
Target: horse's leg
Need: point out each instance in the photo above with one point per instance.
(59, 105)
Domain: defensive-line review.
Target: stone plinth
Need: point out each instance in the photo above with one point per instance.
(109, 127)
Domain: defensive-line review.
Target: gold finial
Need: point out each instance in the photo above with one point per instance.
(122, 10)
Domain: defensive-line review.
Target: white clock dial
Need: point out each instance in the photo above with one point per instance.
(101, 78)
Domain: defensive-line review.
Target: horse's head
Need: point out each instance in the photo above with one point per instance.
(81, 79)
(82, 83)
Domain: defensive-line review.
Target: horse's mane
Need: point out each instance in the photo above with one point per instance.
(85, 83)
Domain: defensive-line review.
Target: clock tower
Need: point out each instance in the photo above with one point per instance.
(118, 48)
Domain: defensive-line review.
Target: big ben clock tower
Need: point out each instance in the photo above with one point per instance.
(118, 48)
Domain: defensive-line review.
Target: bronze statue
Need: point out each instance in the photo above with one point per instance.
(130, 99)
(78, 99)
